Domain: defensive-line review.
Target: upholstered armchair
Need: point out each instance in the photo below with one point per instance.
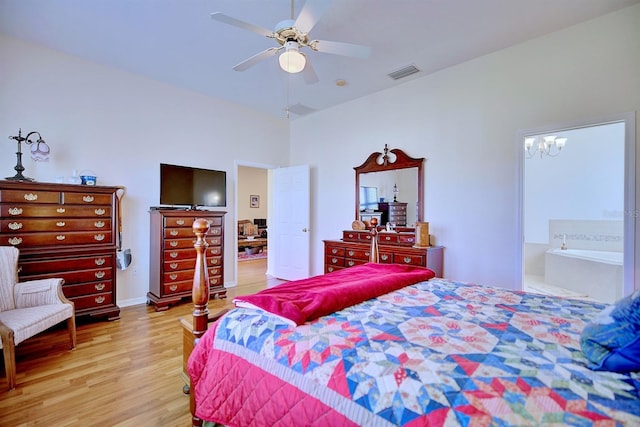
(28, 308)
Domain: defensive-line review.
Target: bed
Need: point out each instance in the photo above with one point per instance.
(431, 352)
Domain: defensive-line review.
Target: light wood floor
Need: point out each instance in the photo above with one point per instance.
(122, 373)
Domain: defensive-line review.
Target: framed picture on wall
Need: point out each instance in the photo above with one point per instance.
(254, 201)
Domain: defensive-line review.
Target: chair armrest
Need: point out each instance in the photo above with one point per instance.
(39, 292)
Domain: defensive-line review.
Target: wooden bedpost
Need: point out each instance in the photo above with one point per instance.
(374, 254)
(200, 297)
(200, 291)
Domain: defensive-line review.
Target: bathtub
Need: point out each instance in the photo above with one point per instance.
(595, 274)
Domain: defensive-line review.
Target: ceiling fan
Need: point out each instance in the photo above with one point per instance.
(292, 36)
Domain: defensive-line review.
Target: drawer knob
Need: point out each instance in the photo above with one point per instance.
(173, 254)
(60, 237)
(330, 269)
(351, 253)
(87, 199)
(173, 288)
(100, 299)
(174, 232)
(100, 286)
(15, 241)
(384, 257)
(351, 263)
(173, 265)
(334, 260)
(31, 197)
(60, 224)
(99, 261)
(213, 281)
(334, 251)
(173, 243)
(407, 259)
(99, 274)
(15, 225)
(61, 210)
(15, 211)
(173, 276)
(99, 224)
(98, 237)
(100, 211)
(180, 221)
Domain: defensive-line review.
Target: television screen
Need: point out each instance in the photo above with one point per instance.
(183, 185)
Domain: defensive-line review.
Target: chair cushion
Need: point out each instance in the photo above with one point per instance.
(27, 322)
(8, 276)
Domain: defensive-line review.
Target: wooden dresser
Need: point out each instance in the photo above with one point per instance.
(393, 212)
(67, 231)
(396, 248)
(173, 257)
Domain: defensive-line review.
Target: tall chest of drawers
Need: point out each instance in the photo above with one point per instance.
(67, 231)
(393, 212)
(173, 257)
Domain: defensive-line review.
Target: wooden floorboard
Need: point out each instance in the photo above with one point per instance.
(122, 373)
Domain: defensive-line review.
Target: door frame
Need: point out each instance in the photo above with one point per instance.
(236, 166)
(631, 259)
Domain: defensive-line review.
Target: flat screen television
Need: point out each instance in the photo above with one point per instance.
(193, 187)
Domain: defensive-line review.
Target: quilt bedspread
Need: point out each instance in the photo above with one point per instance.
(435, 353)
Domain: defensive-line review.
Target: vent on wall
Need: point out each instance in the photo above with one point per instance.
(404, 72)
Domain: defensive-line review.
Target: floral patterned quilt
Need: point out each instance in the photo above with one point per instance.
(435, 353)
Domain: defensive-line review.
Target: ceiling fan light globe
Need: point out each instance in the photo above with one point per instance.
(291, 60)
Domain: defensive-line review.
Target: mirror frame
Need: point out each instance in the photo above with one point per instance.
(381, 162)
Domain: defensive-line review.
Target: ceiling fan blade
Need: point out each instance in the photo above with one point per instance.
(250, 62)
(344, 49)
(309, 74)
(221, 17)
(310, 14)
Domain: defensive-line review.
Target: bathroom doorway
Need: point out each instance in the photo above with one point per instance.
(576, 193)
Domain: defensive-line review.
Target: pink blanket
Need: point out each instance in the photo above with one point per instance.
(304, 300)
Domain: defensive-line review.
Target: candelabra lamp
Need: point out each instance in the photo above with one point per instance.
(39, 152)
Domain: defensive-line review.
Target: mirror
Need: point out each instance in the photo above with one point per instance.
(385, 176)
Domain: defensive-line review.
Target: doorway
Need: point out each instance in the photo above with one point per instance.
(577, 234)
(252, 215)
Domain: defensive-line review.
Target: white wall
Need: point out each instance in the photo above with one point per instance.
(122, 126)
(464, 121)
(585, 181)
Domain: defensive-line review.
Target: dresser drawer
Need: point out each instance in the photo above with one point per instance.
(177, 233)
(357, 254)
(173, 266)
(87, 198)
(171, 277)
(177, 287)
(92, 301)
(55, 239)
(29, 196)
(409, 259)
(331, 268)
(334, 260)
(356, 236)
(84, 289)
(54, 211)
(334, 251)
(46, 266)
(179, 244)
(62, 224)
(352, 262)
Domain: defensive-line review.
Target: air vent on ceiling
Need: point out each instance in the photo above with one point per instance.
(404, 72)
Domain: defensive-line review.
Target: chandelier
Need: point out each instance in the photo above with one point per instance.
(543, 145)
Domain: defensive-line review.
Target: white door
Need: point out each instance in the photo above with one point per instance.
(289, 231)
